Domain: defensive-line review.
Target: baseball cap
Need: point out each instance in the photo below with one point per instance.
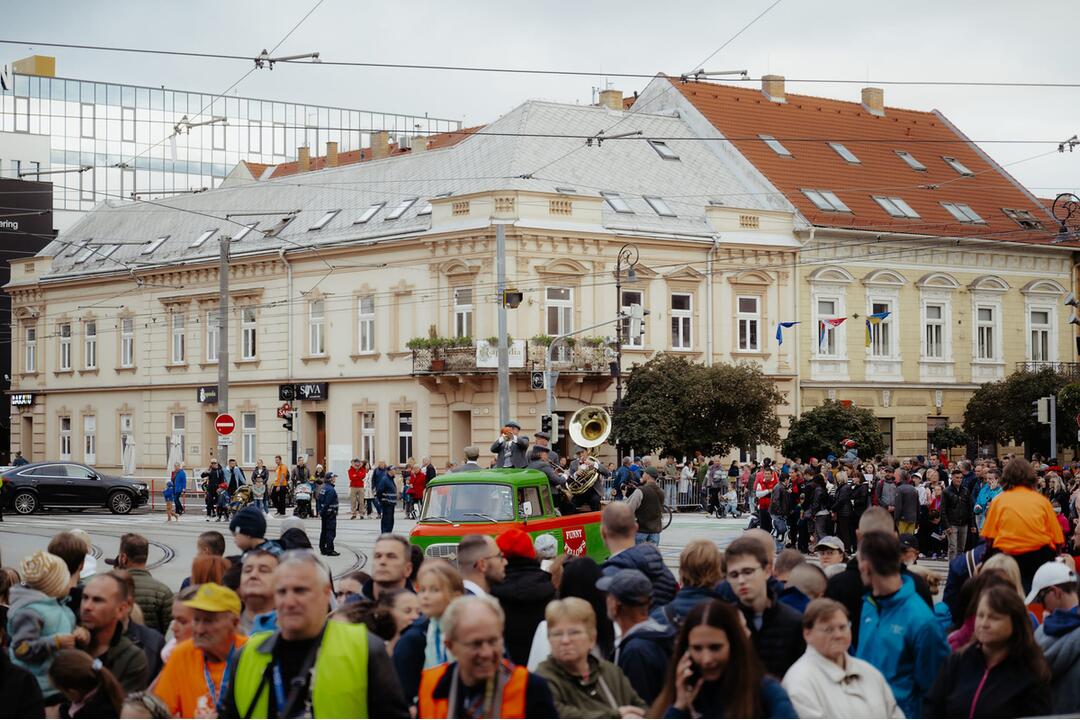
(909, 541)
(329, 476)
(215, 598)
(1048, 575)
(542, 434)
(830, 541)
(627, 586)
(651, 471)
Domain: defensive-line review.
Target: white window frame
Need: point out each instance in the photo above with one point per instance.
(963, 213)
(624, 326)
(65, 437)
(884, 343)
(255, 136)
(405, 436)
(179, 430)
(317, 328)
(401, 208)
(369, 213)
(367, 437)
(663, 150)
(896, 207)
(90, 359)
(206, 235)
(775, 145)
(1046, 331)
(249, 327)
(561, 311)
(324, 220)
(991, 328)
(842, 150)
(127, 432)
(64, 333)
(213, 335)
(659, 206)
(127, 342)
(178, 337)
(30, 356)
(249, 425)
(127, 124)
(747, 321)
(463, 312)
(682, 322)
(90, 439)
(912, 163)
(935, 331)
(617, 203)
(365, 330)
(826, 200)
(154, 245)
(958, 166)
(834, 338)
(86, 120)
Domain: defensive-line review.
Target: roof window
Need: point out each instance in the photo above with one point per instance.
(957, 165)
(565, 189)
(962, 212)
(203, 238)
(617, 202)
(426, 210)
(826, 200)
(154, 245)
(369, 213)
(77, 246)
(911, 161)
(660, 206)
(1023, 218)
(276, 229)
(775, 145)
(896, 207)
(107, 250)
(87, 251)
(325, 220)
(401, 208)
(663, 150)
(843, 152)
(244, 231)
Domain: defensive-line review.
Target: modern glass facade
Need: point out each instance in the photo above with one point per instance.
(127, 134)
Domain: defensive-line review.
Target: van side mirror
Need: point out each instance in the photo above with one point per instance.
(527, 508)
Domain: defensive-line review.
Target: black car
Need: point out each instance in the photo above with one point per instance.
(69, 485)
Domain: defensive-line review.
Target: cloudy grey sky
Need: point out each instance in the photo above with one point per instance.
(964, 40)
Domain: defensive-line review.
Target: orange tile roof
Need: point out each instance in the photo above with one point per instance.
(435, 142)
(805, 125)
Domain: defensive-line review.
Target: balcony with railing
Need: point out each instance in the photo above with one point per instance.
(1068, 369)
(581, 359)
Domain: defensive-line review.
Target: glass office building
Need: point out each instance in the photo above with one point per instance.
(135, 139)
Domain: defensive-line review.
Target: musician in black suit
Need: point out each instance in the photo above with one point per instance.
(511, 448)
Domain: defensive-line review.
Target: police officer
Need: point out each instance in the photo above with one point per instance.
(327, 504)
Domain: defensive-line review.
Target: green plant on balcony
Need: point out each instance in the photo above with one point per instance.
(465, 341)
(419, 343)
(493, 340)
(570, 342)
(544, 340)
(594, 342)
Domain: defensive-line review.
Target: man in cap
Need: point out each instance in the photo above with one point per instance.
(830, 554)
(510, 448)
(540, 459)
(248, 528)
(645, 644)
(192, 680)
(543, 440)
(590, 497)
(647, 503)
(327, 505)
(472, 453)
(1055, 586)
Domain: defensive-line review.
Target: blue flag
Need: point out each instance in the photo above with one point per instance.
(780, 330)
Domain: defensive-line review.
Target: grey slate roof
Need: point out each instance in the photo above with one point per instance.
(480, 163)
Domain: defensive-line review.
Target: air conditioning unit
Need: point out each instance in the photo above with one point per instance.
(404, 142)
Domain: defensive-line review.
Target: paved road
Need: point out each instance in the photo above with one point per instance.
(173, 544)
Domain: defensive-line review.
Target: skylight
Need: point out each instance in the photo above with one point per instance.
(775, 145)
(663, 150)
(565, 189)
(108, 250)
(617, 202)
(911, 161)
(426, 210)
(957, 165)
(369, 213)
(203, 238)
(244, 231)
(324, 220)
(962, 212)
(826, 200)
(843, 152)
(896, 207)
(401, 208)
(77, 246)
(154, 245)
(661, 207)
(87, 252)
(1023, 218)
(280, 225)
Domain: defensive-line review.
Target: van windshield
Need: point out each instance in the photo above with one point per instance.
(469, 502)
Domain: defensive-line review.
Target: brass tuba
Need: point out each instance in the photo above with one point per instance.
(589, 428)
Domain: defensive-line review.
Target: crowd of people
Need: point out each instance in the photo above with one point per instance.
(854, 626)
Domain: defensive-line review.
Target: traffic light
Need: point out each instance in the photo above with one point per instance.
(287, 424)
(546, 424)
(637, 324)
(1041, 411)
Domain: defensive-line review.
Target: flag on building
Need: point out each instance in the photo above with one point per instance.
(822, 324)
(872, 320)
(780, 330)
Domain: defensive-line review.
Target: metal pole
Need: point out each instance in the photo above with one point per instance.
(1053, 427)
(618, 335)
(504, 351)
(550, 376)
(223, 339)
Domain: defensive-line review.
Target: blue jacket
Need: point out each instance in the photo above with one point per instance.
(958, 575)
(1059, 637)
(646, 558)
(180, 481)
(900, 636)
(385, 487)
(409, 657)
(685, 600)
(327, 499)
(643, 655)
(986, 494)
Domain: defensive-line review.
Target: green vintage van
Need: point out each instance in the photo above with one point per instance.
(491, 501)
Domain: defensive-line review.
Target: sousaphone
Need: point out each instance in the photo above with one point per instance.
(589, 428)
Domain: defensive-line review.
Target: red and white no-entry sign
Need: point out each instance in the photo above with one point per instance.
(224, 424)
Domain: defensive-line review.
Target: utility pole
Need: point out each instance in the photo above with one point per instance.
(550, 376)
(1053, 426)
(504, 351)
(223, 340)
(628, 253)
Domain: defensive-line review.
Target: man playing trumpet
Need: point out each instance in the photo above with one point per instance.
(510, 448)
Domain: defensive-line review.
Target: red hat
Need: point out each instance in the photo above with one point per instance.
(516, 543)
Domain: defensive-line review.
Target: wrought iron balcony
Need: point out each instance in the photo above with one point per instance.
(463, 361)
(1068, 369)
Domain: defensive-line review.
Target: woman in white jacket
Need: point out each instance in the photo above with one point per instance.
(827, 682)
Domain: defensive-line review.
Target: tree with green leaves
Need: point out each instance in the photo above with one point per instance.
(948, 437)
(677, 406)
(820, 431)
(1002, 411)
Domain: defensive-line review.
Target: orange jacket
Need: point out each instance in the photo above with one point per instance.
(513, 695)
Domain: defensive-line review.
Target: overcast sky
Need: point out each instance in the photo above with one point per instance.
(966, 40)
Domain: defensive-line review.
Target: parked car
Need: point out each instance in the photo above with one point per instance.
(42, 485)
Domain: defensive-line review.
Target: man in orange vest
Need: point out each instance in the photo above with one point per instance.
(480, 684)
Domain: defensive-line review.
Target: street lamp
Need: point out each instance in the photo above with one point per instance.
(1066, 205)
(628, 254)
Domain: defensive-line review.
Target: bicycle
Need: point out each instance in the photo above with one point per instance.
(668, 513)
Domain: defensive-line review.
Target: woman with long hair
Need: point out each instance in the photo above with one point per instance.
(716, 673)
(89, 689)
(1002, 673)
(208, 569)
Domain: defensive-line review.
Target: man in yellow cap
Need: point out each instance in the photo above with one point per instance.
(191, 682)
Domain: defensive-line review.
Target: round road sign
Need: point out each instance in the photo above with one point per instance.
(224, 424)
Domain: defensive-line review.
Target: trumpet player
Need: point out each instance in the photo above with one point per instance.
(590, 497)
(540, 459)
(511, 447)
(543, 440)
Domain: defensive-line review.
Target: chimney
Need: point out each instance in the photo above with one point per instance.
(419, 144)
(873, 99)
(773, 87)
(331, 154)
(611, 99)
(303, 158)
(380, 145)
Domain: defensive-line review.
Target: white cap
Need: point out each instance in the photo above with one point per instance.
(1048, 575)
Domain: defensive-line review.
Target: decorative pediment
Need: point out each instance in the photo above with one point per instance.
(27, 312)
(750, 277)
(831, 274)
(563, 267)
(938, 281)
(988, 283)
(885, 277)
(459, 268)
(1043, 286)
(685, 273)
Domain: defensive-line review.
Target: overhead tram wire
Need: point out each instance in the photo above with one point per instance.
(523, 71)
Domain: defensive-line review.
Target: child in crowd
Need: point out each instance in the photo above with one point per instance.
(302, 495)
(170, 497)
(258, 492)
(223, 499)
(89, 689)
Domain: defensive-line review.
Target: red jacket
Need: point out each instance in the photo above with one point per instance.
(417, 481)
(356, 477)
(765, 480)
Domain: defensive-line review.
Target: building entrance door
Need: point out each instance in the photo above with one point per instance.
(320, 439)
